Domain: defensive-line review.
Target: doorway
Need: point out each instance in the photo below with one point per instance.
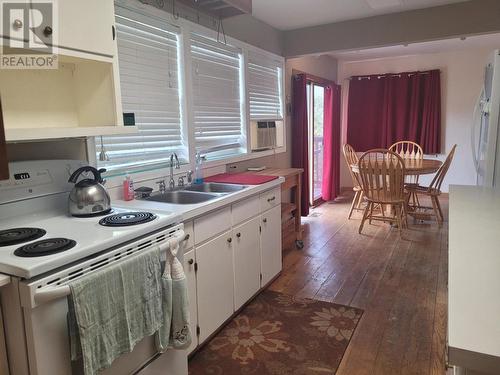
(315, 113)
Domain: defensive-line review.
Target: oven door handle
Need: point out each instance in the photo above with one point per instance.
(50, 294)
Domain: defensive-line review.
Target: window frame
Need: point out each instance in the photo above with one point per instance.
(243, 95)
(185, 99)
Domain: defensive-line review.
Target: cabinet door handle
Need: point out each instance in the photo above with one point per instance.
(17, 24)
(47, 31)
(230, 240)
(265, 220)
(238, 235)
(113, 31)
(271, 199)
(191, 261)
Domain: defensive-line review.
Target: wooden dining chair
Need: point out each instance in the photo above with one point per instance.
(409, 150)
(433, 191)
(382, 174)
(351, 158)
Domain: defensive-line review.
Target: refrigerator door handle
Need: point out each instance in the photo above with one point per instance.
(474, 126)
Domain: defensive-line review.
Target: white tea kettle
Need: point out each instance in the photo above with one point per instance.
(88, 197)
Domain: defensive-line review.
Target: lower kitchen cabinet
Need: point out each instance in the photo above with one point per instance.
(226, 270)
(215, 283)
(246, 261)
(270, 244)
(190, 271)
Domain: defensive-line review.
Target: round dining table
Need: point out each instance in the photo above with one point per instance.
(415, 167)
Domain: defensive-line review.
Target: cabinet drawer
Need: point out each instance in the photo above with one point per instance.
(245, 209)
(212, 224)
(189, 231)
(270, 199)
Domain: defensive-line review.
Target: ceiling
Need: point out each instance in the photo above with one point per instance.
(295, 14)
(491, 41)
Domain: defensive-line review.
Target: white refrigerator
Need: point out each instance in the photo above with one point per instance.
(485, 133)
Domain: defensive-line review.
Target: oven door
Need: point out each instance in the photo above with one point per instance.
(48, 348)
(45, 309)
(4, 362)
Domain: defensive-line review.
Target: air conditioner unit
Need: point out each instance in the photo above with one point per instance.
(266, 134)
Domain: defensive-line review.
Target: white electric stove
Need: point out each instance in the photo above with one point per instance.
(61, 239)
(43, 248)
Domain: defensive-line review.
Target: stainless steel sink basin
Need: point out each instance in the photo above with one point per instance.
(213, 187)
(182, 197)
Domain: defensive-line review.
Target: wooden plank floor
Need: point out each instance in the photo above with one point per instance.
(399, 283)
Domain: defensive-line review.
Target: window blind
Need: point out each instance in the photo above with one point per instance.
(264, 87)
(148, 53)
(217, 98)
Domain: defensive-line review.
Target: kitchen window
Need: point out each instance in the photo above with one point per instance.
(264, 87)
(149, 56)
(218, 99)
(188, 92)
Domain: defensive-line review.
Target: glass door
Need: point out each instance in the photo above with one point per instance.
(315, 110)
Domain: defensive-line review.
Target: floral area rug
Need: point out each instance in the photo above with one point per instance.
(280, 335)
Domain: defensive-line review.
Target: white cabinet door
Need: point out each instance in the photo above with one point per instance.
(214, 283)
(82, 25)
(189, 265)
(246, 261)
(270, 244)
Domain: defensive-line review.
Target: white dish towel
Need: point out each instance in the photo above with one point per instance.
(175, 332)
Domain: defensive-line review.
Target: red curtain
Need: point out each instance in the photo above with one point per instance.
(384, 109)
(330, 188)
(300, 148)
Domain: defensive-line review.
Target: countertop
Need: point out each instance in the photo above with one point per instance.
(474, 278)
(190, 211)
(282, 172)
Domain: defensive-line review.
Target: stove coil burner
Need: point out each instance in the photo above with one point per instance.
(45, 247)
(16, 236)
(126, 219)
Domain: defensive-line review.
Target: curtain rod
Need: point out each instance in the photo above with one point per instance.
(399, 75)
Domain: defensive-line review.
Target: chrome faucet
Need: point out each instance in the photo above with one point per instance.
(171, 182)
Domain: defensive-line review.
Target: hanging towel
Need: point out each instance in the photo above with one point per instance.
(113, 309)
(175, 333)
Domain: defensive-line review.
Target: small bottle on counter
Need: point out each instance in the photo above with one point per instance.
(198, 171)
(128, 189)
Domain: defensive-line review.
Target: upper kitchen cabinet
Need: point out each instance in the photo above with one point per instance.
(84, 25)
(78, 96)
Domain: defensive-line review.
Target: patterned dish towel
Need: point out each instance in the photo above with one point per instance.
(175, 333)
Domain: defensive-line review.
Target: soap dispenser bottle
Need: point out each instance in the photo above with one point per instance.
(198, 172)
(128, 188)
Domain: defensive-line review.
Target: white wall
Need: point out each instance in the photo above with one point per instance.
(462, 74)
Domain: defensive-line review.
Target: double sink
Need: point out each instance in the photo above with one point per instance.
(195, 193)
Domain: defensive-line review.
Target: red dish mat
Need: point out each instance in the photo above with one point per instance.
(240, 178)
